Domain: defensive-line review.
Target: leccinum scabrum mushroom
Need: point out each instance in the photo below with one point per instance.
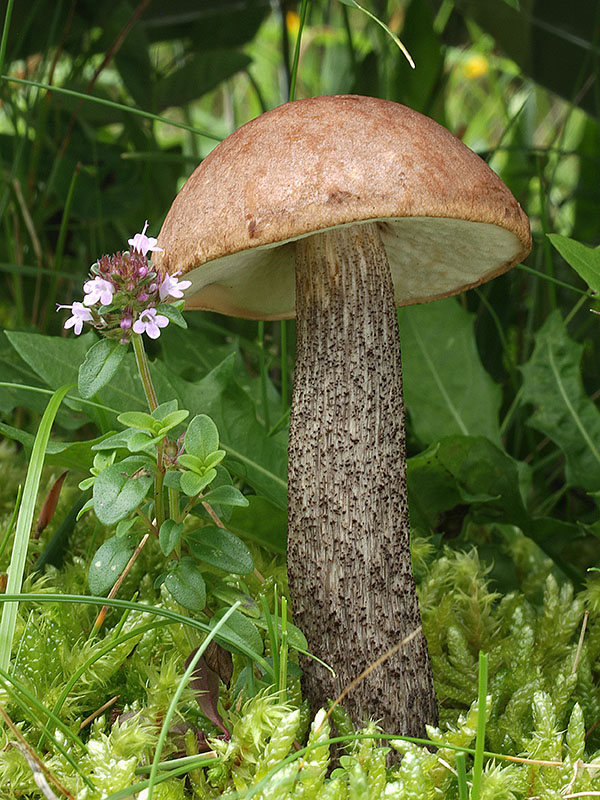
(335, 210)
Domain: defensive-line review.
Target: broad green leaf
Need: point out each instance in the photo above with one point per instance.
(446, 389)
(121, 488)
(584, 260)
(220, 548)
(169, 535)
(101, 363)
(201, 437)
(563, 411)
(109, 562)
(225, 496)
(186, 584)
(464, 471)
(259, 460)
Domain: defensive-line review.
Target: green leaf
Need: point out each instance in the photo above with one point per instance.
(164, 409)
(75, 455)
(108, 563)
(141, 441)
(139, 420)
(225, 496)
(446, 389)
(173, 419)
(239, 627)
(563, 411)
(192, 484)
(212, 459)
(464, 471)
(186, 584)
(100, 365)
(121, 488)
(584, 260)
(202, 437)
(169, 535)
(231, 594)
(173, 314)
(220, 548)
(193, 463)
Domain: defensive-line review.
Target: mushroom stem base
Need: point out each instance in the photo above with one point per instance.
(351, 583)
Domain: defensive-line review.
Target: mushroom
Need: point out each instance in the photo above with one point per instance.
(335, 210)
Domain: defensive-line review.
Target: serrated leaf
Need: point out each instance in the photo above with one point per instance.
(202, 437)
(109, 562)
(220, 548)
(563, 411)
(446, 389)
(121, 488)
(169, 535)
(186, 584)
(100, 364)
(584, 260)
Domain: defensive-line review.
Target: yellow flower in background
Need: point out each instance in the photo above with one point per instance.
(292, 22)
(476, 66)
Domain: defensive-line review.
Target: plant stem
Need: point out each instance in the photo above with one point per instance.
(481, 720)
(143, 369)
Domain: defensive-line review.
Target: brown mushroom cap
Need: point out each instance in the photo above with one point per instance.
(447, 221)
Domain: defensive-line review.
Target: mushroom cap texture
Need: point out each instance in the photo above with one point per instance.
(446, 219)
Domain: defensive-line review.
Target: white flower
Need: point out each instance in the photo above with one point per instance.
(149, 323)
(81, 314)
(143, 243)
(172, 287)
(98, 290)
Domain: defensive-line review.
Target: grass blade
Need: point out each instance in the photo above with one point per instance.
(24, 521)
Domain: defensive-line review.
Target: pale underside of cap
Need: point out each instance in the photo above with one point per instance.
(447, 221)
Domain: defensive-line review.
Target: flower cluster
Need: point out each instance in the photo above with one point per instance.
(124, 293)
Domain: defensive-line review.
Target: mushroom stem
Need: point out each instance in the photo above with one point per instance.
(351, 583)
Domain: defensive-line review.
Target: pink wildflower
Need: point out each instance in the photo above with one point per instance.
(142, 243)
(96, 290)
(149, 323)
(81, 314)
(171, 286)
